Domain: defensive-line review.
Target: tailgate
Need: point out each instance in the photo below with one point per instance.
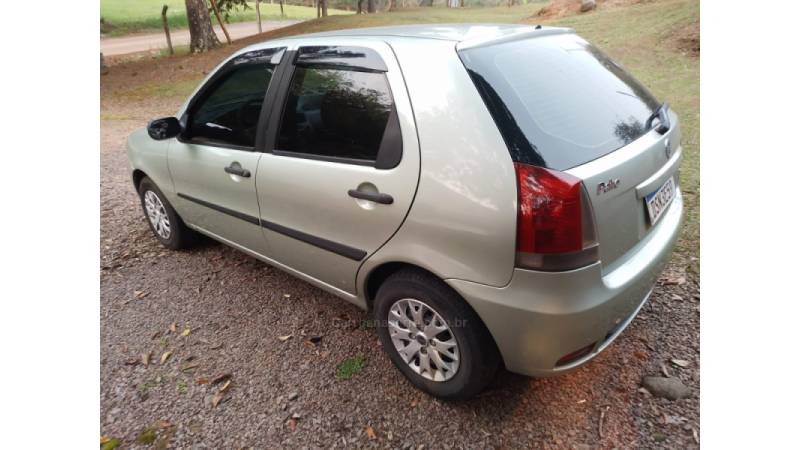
(618, 183)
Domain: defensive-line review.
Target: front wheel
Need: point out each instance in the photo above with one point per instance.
(164, 221)
(433, 337)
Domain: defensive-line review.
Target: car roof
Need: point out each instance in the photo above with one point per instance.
(464, 34)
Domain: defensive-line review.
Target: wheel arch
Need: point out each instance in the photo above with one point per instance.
(382, 272)
(137, 175)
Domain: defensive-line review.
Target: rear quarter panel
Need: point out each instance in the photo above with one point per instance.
(462, 223)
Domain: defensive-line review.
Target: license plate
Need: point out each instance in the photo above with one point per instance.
(658, 201)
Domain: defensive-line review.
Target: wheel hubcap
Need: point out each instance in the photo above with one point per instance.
(423, 339)
(157, 214)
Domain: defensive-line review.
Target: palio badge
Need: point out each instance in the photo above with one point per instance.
(609, 185)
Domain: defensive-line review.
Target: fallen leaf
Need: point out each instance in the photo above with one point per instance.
(173, 327)
(677, 298)
(370, 432)
(140, 294)
(146, 358)
(165, 356)
(163, 424)
(287, 295)
(216, 399)
(581, 401)
(292, 424)
(225, 386)
(220, 378)
(669, 281)
(104, 439)
(186, 332)
(189, 366)
(696, 437)
(295, 416)
(284, 338)
(202, 381)
(665, 371)
(216, 346)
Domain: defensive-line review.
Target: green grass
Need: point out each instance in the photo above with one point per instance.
(640, 38)
(129, 16)
(350, 367)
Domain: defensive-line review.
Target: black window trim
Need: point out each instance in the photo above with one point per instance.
(269, 96)
(390, 152)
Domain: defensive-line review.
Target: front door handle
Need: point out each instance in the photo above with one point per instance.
(377, 197)
(236, 169)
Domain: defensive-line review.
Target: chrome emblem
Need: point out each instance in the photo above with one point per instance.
(667, 149)
(609, 185)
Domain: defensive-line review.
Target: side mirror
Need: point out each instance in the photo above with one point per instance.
(165, 128)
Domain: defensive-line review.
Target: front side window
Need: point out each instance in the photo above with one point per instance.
(228, 113)
(334, 113)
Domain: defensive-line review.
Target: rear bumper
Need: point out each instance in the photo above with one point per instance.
(540, 317)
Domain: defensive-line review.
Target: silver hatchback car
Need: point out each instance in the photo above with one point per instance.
(494, 194)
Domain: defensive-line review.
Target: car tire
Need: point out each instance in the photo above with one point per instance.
(415, 293)
(166, 225)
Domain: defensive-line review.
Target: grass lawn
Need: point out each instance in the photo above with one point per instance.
(129, 16)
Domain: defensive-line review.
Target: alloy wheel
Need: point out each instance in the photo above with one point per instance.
(423, 339)
(157, 214)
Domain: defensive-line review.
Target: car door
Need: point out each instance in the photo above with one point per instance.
(213, 163)
(341, 161)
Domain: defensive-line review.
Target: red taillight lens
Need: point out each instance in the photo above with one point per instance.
(549, 211)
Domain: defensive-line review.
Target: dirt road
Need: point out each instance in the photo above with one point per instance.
(232, 313)
(112, 46)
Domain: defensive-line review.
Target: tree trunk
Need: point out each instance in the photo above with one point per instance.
(281, 2)
(202, 36)
(324, 8)
(392, 5)
(221, 23)
(103, 66)
(360, 9)
(258, 13)
(371, 6)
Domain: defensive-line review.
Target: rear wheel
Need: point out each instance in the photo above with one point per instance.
(432, 335)
(164, 221)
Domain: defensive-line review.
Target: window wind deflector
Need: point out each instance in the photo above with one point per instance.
(662, 114)
(267, 55)
(343, 57)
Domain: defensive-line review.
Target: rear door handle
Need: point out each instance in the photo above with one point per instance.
(236, 169)
(377, 197)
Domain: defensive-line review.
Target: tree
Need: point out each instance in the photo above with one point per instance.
(324, 7)
(371, 6)
(360, 8)
(201, 34)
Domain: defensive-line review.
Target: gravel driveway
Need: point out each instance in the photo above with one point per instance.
(219, 315)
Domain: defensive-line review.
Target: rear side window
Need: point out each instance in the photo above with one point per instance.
(228, 113)
(333, 113)
(557, 100)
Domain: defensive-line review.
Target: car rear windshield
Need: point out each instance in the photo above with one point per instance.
(558, 101)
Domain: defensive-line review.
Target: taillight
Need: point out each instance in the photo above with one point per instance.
(551, 232)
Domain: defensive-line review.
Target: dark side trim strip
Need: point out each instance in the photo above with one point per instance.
(334, 247)
(222, 209)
